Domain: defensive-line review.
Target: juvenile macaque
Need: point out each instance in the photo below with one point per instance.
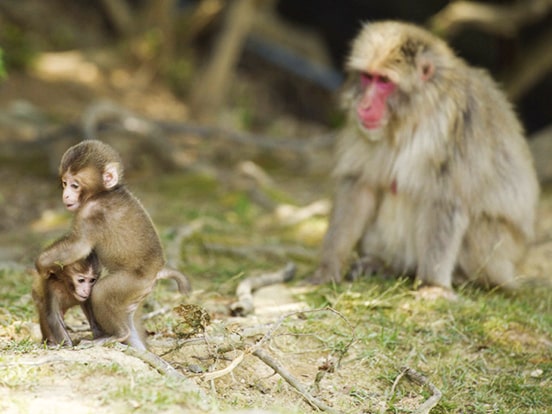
(434, 177)
(66, 287)
(110, 221)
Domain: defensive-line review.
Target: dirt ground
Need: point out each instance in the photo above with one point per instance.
(106, 379)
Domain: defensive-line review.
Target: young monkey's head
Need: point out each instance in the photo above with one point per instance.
(86, 169)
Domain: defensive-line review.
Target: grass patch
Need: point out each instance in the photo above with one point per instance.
(487, 352)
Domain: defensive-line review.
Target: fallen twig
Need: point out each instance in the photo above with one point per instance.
(420, 379)
(285, 374)
(391, 392)
(162, 366)
(222, 372)
(244, 292)
(237, 342)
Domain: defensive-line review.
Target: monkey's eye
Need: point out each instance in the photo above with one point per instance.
(366, 78)
(64, 184)
(92, 281)
(81, 280)
(75, 186)
(384, 79)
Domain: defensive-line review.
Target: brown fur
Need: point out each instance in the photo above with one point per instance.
(113, 223)
(54, 295)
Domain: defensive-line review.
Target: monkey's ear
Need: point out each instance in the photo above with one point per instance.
(110, 175)
(426, 68)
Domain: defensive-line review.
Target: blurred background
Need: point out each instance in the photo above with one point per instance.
(292, 51)
(241, 91)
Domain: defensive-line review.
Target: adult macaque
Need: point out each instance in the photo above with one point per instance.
(434, 177)
(66, 287)
(110, 221)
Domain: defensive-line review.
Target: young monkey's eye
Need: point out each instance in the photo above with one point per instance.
(384, 79)
(75, 186)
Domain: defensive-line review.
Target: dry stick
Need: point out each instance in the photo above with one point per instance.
(420, 379)
(222, 372)
(275, 365)
(285, 374)
(392, 391)
(238, 343)
(280, 370)
(432, 401)
(244, 292)
(164, 368)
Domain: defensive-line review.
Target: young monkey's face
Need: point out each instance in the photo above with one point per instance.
(71, 191)
(82, 284)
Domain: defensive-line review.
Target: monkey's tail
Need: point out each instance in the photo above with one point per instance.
(181, 280)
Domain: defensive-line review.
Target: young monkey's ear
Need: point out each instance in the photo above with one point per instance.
(110, 175)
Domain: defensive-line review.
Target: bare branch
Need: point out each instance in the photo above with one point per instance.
(422, 380)
(222, 372)
(532, 65)
(244, 292)
(286, 375)
(166, 369)
(390, 394)
(419, 379)
(210, 89)
(504, 20)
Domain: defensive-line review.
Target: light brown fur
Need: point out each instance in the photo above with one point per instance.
(67, 287)
(446, 185)
(110, 221)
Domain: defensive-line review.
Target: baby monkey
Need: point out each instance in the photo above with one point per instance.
(66, 287)
(71, 286)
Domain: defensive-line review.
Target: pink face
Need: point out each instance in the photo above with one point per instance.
(71, 192)
(82, 284)
(372, 107)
